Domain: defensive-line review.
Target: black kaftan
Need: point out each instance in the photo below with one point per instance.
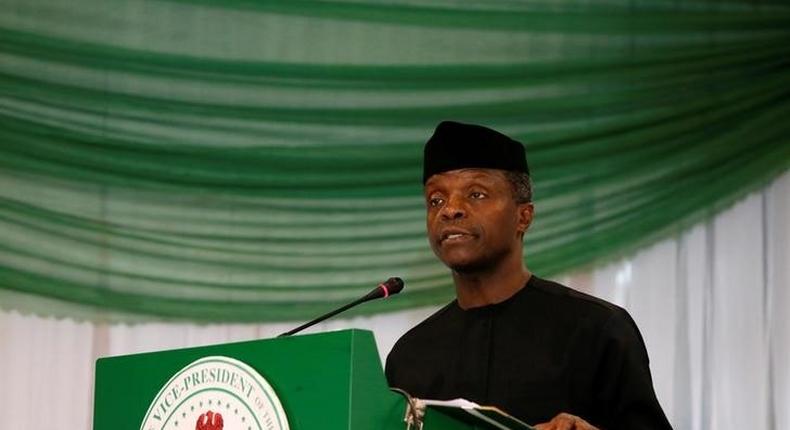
(548, 349)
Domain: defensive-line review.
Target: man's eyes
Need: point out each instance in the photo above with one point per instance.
(435, 201)
(438, 201)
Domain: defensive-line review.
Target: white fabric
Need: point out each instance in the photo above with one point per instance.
(711, 304)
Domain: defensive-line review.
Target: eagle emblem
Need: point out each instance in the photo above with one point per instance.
(209, 421)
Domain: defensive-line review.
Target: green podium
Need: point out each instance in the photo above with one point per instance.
(323, 381)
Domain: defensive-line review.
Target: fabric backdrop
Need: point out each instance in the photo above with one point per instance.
(711, 303)
(260, 161)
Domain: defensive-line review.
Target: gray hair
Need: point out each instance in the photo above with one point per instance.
(521, 184)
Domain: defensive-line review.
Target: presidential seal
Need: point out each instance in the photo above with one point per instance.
(216, 393)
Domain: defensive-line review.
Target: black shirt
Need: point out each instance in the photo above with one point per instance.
(548, 349)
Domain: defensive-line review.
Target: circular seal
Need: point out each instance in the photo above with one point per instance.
(216, 393)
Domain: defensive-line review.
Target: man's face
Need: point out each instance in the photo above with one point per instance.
(473, 220)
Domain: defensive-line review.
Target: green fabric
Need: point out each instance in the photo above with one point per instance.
(260, 161)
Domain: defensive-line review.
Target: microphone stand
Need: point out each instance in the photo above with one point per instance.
(385, 289)
(323, 317)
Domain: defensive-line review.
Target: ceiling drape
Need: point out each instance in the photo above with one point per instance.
(259, 161)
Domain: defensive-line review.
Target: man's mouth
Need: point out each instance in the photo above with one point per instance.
(455, 236)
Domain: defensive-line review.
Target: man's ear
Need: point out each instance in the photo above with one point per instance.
(525, 213)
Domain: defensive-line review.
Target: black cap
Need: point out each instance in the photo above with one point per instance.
(456, 145)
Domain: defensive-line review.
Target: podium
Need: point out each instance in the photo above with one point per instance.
(324, 381)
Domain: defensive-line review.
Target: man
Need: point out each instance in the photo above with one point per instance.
(542, 352)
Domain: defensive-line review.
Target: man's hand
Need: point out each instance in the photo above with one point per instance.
(565, 421)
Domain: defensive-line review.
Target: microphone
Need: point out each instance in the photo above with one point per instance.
(385, 289)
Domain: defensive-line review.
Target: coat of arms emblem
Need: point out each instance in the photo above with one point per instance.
(216, 393)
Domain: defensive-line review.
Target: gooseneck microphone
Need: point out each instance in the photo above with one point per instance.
(383, 290)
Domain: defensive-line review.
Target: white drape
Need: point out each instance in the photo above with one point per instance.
(711, 304)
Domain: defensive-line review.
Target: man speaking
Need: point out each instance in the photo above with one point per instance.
(542, 352)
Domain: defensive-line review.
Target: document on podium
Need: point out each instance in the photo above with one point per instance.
(494, 417)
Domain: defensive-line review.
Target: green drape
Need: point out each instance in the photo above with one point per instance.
(260, 161)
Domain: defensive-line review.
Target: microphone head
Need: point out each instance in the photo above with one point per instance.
(394, 285)
(385, 289)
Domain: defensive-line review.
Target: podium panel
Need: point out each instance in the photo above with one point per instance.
(324, 381)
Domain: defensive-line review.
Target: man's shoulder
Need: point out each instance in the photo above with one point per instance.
(575, 303)
(611, 319)
(420, 340)
(570, 295)
(436, 323)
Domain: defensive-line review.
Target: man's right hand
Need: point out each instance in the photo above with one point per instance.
(565, 421)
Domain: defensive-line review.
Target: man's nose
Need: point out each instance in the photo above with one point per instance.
(453, 209)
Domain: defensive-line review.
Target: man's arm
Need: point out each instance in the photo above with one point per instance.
(623, 388)
(623, 382)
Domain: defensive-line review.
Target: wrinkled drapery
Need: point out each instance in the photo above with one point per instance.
(236, 161)
(711, 304)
